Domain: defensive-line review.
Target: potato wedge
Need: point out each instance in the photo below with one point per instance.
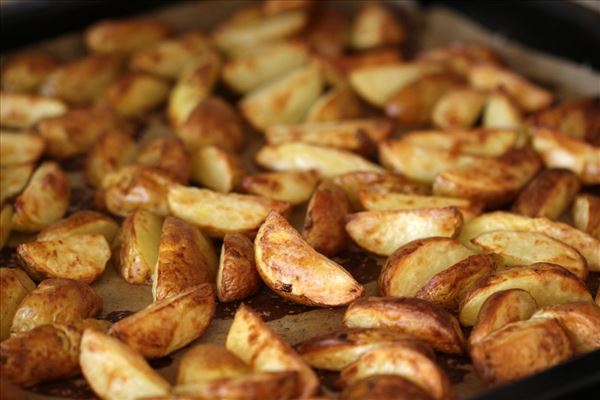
(459, 56)
(84, 222)
(337, 69)
(125, 36)
(23, 111)
(255, 343)
(135, 250)
(560, 151)
(500, 309)
(186, 258)
(15, 285)
(524, 248)
(293, 187)
(382, 232)
(328, 35)
(338, 104)
(324, 225)
(24, 72)
(136, 94)
(6, 216)
(494, 181)
(586, 214)
(335, 351)
(44, 200)
(205, 362)
(301, 87)
(81, 258)
(113, 150)
(360, 136)
(375, 25)
(384, 387)
(56, 301)
(169, 324)
(501, 112)
(458, 108)
(504, 221)
(133, 187)
(432, 324)
(581, 321)
(520, 349)
(212, 122)
(295, 271)
(83, 81)
(237, 277)
(410, 363)
(13, 179)
(218, 214)
(167, 154)
(115, 371)
(577, 118)
(548, 194)
(328, 162)
(217, 169)
(20, 148)
(548, 284)
(529, 96)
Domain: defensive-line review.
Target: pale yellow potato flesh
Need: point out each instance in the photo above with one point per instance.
(14, 285)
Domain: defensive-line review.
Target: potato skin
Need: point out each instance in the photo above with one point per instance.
(208, 361)
(586, 214)
(124, 36)
(24, 72)
(237, 277)
(110, 152)
(384, 387)
(15, 285)
(79, 223)
(56, 301)
(167, 154)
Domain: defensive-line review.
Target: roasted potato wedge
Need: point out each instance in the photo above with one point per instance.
(167, 154)
(382, 232)
(339, 103)
(459, 56)
(15, 285)
(586, 214)
(136, 94)
(81, 257)
(24, 72)
(125, 36)
(295, 271)
(385, 387)
(328, 162)
(115, 371)
(169, 324)
(237, 277)
(23, 111)
(135, 250)
(20, 148)
(524, 248)
(295, 187)
(208, 361)
(13, 179)
(84, 222)
(500, 309)
(338, 68)
(56, 301)
(217, 169)
(577, 118)
(44, 200)
(520, 349)
(501, 112)
(480, 142)
(6, 216)
(113, 150)
(324, 225)
(548, 284)
(186, 258)
(458, 108)
(416, 317)
(375, 25)
(218, 214)
(255, 343)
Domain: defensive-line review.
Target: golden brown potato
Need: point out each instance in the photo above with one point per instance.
(115, 371)
(328, 35)
(524, 248)
(479, 141)
(375, 25)
(135, 249)
(581, 321)
(133, 187)
(339, 103)
(15, 285)
(501, 112)
(255, 343)
(217, 169)
(295, 187)
(416, 317)
(125, 36)
(337, 69)
(136, 94)
(237, 277)
(24, 72)
(83, 81)
(208, 361)
(548, 194)
(23, 111)
(361, 135)
(44, 200)
(81, 258)
(6, 216)
(586, 214)
(459, 56)
(274, 7)
(500, 309)
(212, 122)
(548, 284)
(449, 287)
(529, 96)
(295, 271)
(13, 179)
(458, 108)
(520, 349)
(113, 150)
(84, 222)
(167, 154)
(56, 301)
(300, 87)
(411, 363)
(20, 148)
(335, 351)
(186, 258)
(384, 387)
(579, 119)
(324, 224)
(169, 324)
(328, 162)
(382, 232)
(218, 214)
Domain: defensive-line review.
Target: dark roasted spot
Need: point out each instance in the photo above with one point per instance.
(116, 316)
